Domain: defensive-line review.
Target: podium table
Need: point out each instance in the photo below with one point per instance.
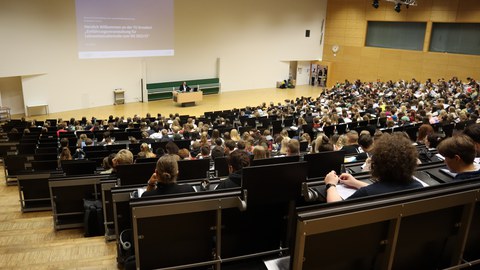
(187, 98)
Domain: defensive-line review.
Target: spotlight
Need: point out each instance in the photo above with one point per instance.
(397, 7)
(375, 3)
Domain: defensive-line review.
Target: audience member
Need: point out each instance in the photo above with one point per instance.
(107, 164)
(259, 152)
(237, 160)
(184, 154)
(473, 131)
(164, 179)
(145, 152)
(459, 153)
(124, 156)
(423, 131)
(64, 155)
(293, 147)
(393, 161)
(351, 144)
(322, 144)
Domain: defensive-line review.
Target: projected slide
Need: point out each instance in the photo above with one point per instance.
(124, 28)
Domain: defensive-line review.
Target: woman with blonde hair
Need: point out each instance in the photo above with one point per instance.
(284, 146)
(145, 152)
(234, 136)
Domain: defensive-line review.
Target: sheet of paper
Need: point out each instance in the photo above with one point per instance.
(345, 191)
(447, 171)
(278, 264)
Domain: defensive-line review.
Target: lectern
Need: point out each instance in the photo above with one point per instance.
(187, 98)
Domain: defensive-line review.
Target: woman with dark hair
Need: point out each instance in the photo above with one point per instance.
(171, 148)
(393, 161)
(64, 155)
(164, 180)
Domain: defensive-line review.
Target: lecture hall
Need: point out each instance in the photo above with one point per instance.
(213, 134)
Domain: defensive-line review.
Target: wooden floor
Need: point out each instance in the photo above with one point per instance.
(29, 241)
(222, 101)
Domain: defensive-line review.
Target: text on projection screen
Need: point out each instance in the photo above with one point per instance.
(124, 28)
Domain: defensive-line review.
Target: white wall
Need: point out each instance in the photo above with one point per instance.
(248, 43)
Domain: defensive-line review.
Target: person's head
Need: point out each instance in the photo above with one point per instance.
(241, 145)
(88, 142)
(234, 135)
(205, 151)
(433, 140)
(123, 156)
(144, 147)
(293, 147)
(322, 144)
(365, 141)
(167, 169)
(394, 159)
(238, 160)
(64, 142)
(473, 131)
(458, 151)
(423, 131)
(230, 146)
(108, 161)
(351, 138)
(65, 154)
(217, 151)
(259, 152)
(171, 148)
(184, 153)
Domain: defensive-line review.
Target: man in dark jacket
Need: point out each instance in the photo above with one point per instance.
(237, 160)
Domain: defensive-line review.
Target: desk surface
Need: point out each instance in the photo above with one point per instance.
(187, 97)
(31, 106)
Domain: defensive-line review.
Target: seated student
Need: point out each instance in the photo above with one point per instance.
(204, 153)
(473, 131)
(366, 143)
(184, 154)
(259, 152)
(393, 161)
(64, 155)
(351, 146)
(293, 147)
(123, 156)
(145, 152)
(107, 164)
(164, 180)
(237, 160)
(321, 144)
(459, 153)
(184, 87)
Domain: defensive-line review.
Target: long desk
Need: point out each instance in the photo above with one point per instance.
(36, 107)
(187, 98)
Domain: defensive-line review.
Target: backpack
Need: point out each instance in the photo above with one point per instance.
(93, 218)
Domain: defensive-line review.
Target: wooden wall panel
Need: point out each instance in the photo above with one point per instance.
(346, 26)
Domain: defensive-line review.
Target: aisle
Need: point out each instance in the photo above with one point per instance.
(28, 241)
